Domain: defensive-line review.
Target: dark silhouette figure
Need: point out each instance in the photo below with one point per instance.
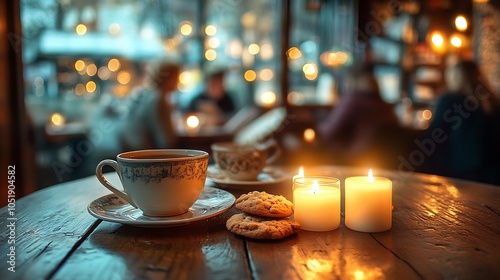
(468, 117)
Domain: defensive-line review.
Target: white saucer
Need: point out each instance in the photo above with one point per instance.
(269, 176)
(111, 208)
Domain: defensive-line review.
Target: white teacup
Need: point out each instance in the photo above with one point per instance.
(159, 182)
(244, 162)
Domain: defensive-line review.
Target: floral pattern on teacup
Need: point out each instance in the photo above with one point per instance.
(195, 169)
(247, 163)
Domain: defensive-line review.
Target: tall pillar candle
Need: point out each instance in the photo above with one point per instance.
(368, 203)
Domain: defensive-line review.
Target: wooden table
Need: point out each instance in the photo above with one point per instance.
(442, 229)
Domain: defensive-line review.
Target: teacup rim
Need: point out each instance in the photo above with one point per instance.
(231, 146)
(200, 154)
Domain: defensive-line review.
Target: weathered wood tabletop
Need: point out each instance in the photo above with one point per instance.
(442, 229)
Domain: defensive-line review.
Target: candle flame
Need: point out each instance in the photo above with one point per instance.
(370, 176)
(315, 186)
(301, 171)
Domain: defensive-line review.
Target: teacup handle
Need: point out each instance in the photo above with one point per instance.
(277, 153)
(107, 184)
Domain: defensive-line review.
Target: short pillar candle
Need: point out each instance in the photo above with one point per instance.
(317, 203)
(368, 203)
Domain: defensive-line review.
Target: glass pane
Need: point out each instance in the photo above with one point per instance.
(321, 43)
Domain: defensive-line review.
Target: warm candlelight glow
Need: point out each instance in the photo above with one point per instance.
(81, 29)
(193, 121)
(461, 23)
(113, 64)
(186, 28)
(210, 55)
(437, 39)
(250, 75)
(79, 65)
(294, 53)
(358, 275)
(266, 98)
(57, 119)
(210, 30)
(253, 49)
(91, 69)
(309, 135)
(456, 41)
(90, 86)
(301, 171)
(370, 176)
(315, 187)
(316, 202)
(368, 203)
(123, 77)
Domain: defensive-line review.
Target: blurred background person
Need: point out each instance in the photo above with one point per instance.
(214, 103)
(468, 113)
(352, 125)
(145, 119)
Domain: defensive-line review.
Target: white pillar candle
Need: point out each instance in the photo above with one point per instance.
(317, 203)
(368, 203)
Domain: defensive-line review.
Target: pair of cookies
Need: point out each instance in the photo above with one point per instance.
(265, 216)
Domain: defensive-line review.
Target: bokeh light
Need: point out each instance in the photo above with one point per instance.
(309, 135)
(213, 42)
(437, 39)
(267, 98)
(90, 86)
(186, 28)
(426, 114)
(113, 64)
(123, 77)
(210, 30)
(310, 71)
(266, 51)
(293, 53)
(79, 65)
(91, 69)
(57, 119)
(461, 23)
(210, 55)
(248, 19)
(266, 74)
(185, 77)
(79, 89)
(250, 75)
(193, 121)
(114, 29)
(81, 29)
(456, 41)
(103, 73)
(253, 49)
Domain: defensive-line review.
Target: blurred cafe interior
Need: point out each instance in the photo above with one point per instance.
(341, 82)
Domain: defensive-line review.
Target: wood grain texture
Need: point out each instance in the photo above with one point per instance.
(201, 250)
(49, 223)
(442, 229)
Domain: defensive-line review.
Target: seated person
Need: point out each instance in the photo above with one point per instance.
(352, 125)
(215, 103)
(468, 115)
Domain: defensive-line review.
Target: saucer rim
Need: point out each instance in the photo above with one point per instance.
(92, 210)
(231, 182)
